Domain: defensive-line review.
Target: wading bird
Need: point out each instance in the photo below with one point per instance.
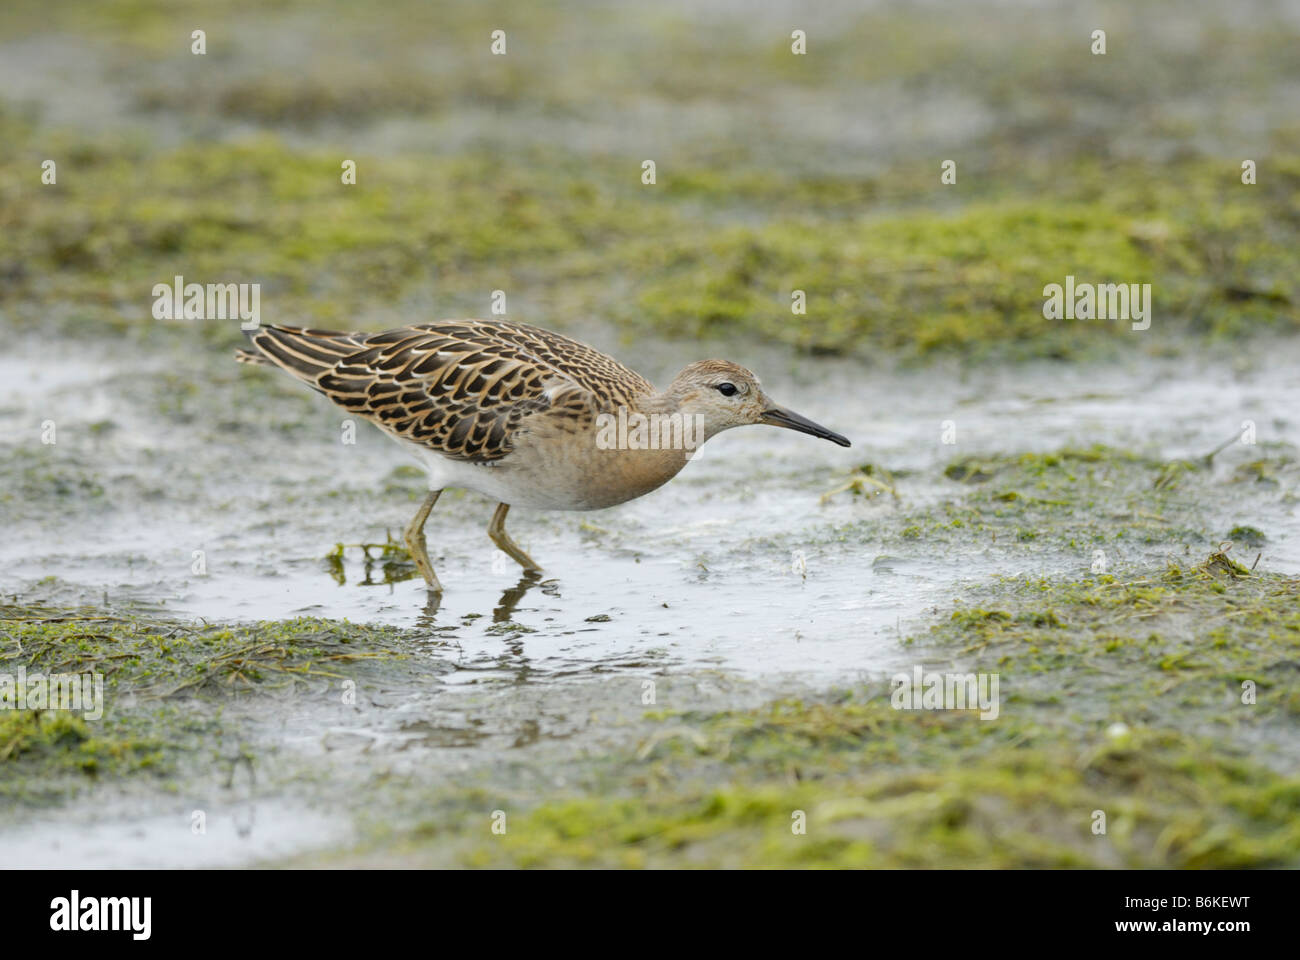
(519, 414)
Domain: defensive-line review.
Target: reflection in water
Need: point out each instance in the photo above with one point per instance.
(508, 657)
(242, 811)
(390, 564)
(505, 609)
(394, 570)
(430, 609)
(391, 560)
(244, 821)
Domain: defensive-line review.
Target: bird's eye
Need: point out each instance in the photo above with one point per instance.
(726, 389)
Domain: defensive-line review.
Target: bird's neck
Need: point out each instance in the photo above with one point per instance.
(656, 422)
(665, 403)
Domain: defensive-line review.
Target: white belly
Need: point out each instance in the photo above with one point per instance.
(495, 480)
(542, 477)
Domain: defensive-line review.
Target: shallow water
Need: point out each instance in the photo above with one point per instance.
(695, 582)
(231, 838)
(703, 572)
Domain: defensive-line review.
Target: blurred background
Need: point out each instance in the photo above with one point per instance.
(775, 171)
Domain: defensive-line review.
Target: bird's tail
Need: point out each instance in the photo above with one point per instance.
(303, 352)
(251, 354)
(244, 355)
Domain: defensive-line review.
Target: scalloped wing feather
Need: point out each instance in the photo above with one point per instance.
(467, 389)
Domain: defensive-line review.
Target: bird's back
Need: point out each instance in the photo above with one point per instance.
(462, 388)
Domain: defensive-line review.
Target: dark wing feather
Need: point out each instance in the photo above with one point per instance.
(460, 387)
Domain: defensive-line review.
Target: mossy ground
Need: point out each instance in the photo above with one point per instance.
(596, 243)
(1123, 697)
(1121, 692)
(159, 659)
(171, 690)
(890, 258)
(1100, 504)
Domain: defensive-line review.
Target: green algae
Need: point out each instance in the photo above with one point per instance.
(890, 258)
(1193, 778)
(912, 281)
(161, 659)
(41, 752)
(1007, 806)
(1073, 499)
(169, 687)
(1114, 704)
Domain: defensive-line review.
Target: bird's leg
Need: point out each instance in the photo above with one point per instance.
(497, 531)
(414, 537)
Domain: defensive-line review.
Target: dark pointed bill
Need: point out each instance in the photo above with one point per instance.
(781, 417)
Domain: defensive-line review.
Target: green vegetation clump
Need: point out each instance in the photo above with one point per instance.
(910, 280)
(1073, 499)
(65, 740)
(163, 659)
(166, 684)
(1119, 698)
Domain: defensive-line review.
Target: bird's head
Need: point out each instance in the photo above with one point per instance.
(727, 395)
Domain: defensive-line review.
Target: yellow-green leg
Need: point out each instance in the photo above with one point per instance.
(414, 537)
(497, 531)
